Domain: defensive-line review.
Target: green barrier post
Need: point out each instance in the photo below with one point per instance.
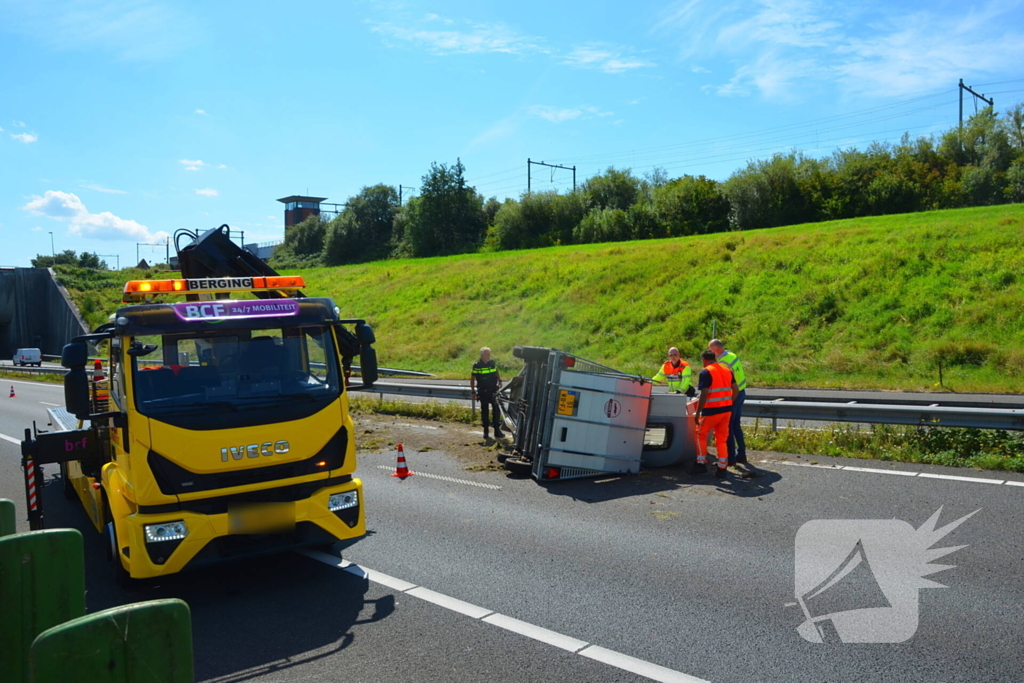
(7, 518)
(42, 584)
(148, 642)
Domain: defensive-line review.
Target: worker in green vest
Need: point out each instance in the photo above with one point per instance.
(737, 444)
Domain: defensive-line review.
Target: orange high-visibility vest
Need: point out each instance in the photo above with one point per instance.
(720, 392)
(678, 378)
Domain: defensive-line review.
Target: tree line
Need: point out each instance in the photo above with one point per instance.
(980, 164)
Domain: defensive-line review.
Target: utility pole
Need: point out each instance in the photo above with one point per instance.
(960, 130)
(530, 163)
(400, 192)
(112, 256)
(53, 250)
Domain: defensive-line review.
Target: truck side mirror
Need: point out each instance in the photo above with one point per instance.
(76, 383)
(368, 365)
(74, 355)
(365, 335)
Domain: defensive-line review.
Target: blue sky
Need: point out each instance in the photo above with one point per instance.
(124, 120)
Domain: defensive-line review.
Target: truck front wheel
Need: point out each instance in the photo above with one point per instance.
(121, 576)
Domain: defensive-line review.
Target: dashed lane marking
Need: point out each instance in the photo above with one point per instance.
(453, 480)
(605, 656)
(55, 405)
(899, 473)
(10, 438)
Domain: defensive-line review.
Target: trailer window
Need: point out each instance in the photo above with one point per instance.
(238, 370)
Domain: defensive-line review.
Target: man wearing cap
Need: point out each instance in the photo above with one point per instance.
(484, 382)
(737, 444)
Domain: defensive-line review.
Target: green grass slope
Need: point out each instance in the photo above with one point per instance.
(865, 303)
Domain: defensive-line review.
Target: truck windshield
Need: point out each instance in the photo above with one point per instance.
(234, 370)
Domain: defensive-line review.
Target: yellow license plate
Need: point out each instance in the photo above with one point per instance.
(567, 402)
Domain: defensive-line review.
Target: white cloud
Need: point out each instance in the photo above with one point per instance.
(788, 48)
(208, 192)
(221, 165)
(1, 130)
(26, 138)
(608, 58)
(67, 207)
(700, 70)
(201, 112)
(36, 229)
(472, 38)
(107, 190)
(469, 37)
(192, 165)
(560, 115)
(18, 124)
(131, 30)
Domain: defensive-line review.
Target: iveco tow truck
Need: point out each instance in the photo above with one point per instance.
(221, 429)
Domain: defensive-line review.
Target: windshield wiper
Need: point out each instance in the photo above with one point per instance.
(189, 407)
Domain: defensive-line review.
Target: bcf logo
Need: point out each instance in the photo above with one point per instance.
(612, 408)
(857, 580)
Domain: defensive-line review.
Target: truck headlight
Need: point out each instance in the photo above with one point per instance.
(342, 501)
(166, 531)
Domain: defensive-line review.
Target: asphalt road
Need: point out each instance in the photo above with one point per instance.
(672, 571)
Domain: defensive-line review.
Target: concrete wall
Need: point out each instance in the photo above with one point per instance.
(36, 312)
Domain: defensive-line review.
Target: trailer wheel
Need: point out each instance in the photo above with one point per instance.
(520, 468)
(66, 487)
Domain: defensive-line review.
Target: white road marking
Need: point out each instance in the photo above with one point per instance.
(544, 635)
(950, 477)
(448, 602)
(55, 405)
(35, 384)
(539, 633)
(900, 473)
(875, 470)
(467, 482)
(638, 666)
(10, 438)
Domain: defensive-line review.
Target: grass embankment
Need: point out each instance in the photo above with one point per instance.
(874, 303)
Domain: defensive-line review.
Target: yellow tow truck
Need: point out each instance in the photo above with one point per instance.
(222, 427)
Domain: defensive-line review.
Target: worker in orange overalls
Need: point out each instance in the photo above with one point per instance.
(718, 390)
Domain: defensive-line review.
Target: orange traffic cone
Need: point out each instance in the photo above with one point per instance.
(12, 392)
(403, 470)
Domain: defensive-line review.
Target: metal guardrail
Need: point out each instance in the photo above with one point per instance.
(861, 411)
(873, 413)
(787, 409)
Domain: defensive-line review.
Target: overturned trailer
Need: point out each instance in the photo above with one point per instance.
(574, 418)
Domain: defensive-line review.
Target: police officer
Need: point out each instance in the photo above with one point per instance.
(677, 373)
(737, 443)
(484, 382)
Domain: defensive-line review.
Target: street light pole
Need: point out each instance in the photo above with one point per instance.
(53, 250)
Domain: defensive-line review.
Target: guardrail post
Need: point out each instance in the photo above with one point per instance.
(142, 643)
(42, 584)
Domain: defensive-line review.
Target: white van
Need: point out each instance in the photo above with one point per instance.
(28, 357)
